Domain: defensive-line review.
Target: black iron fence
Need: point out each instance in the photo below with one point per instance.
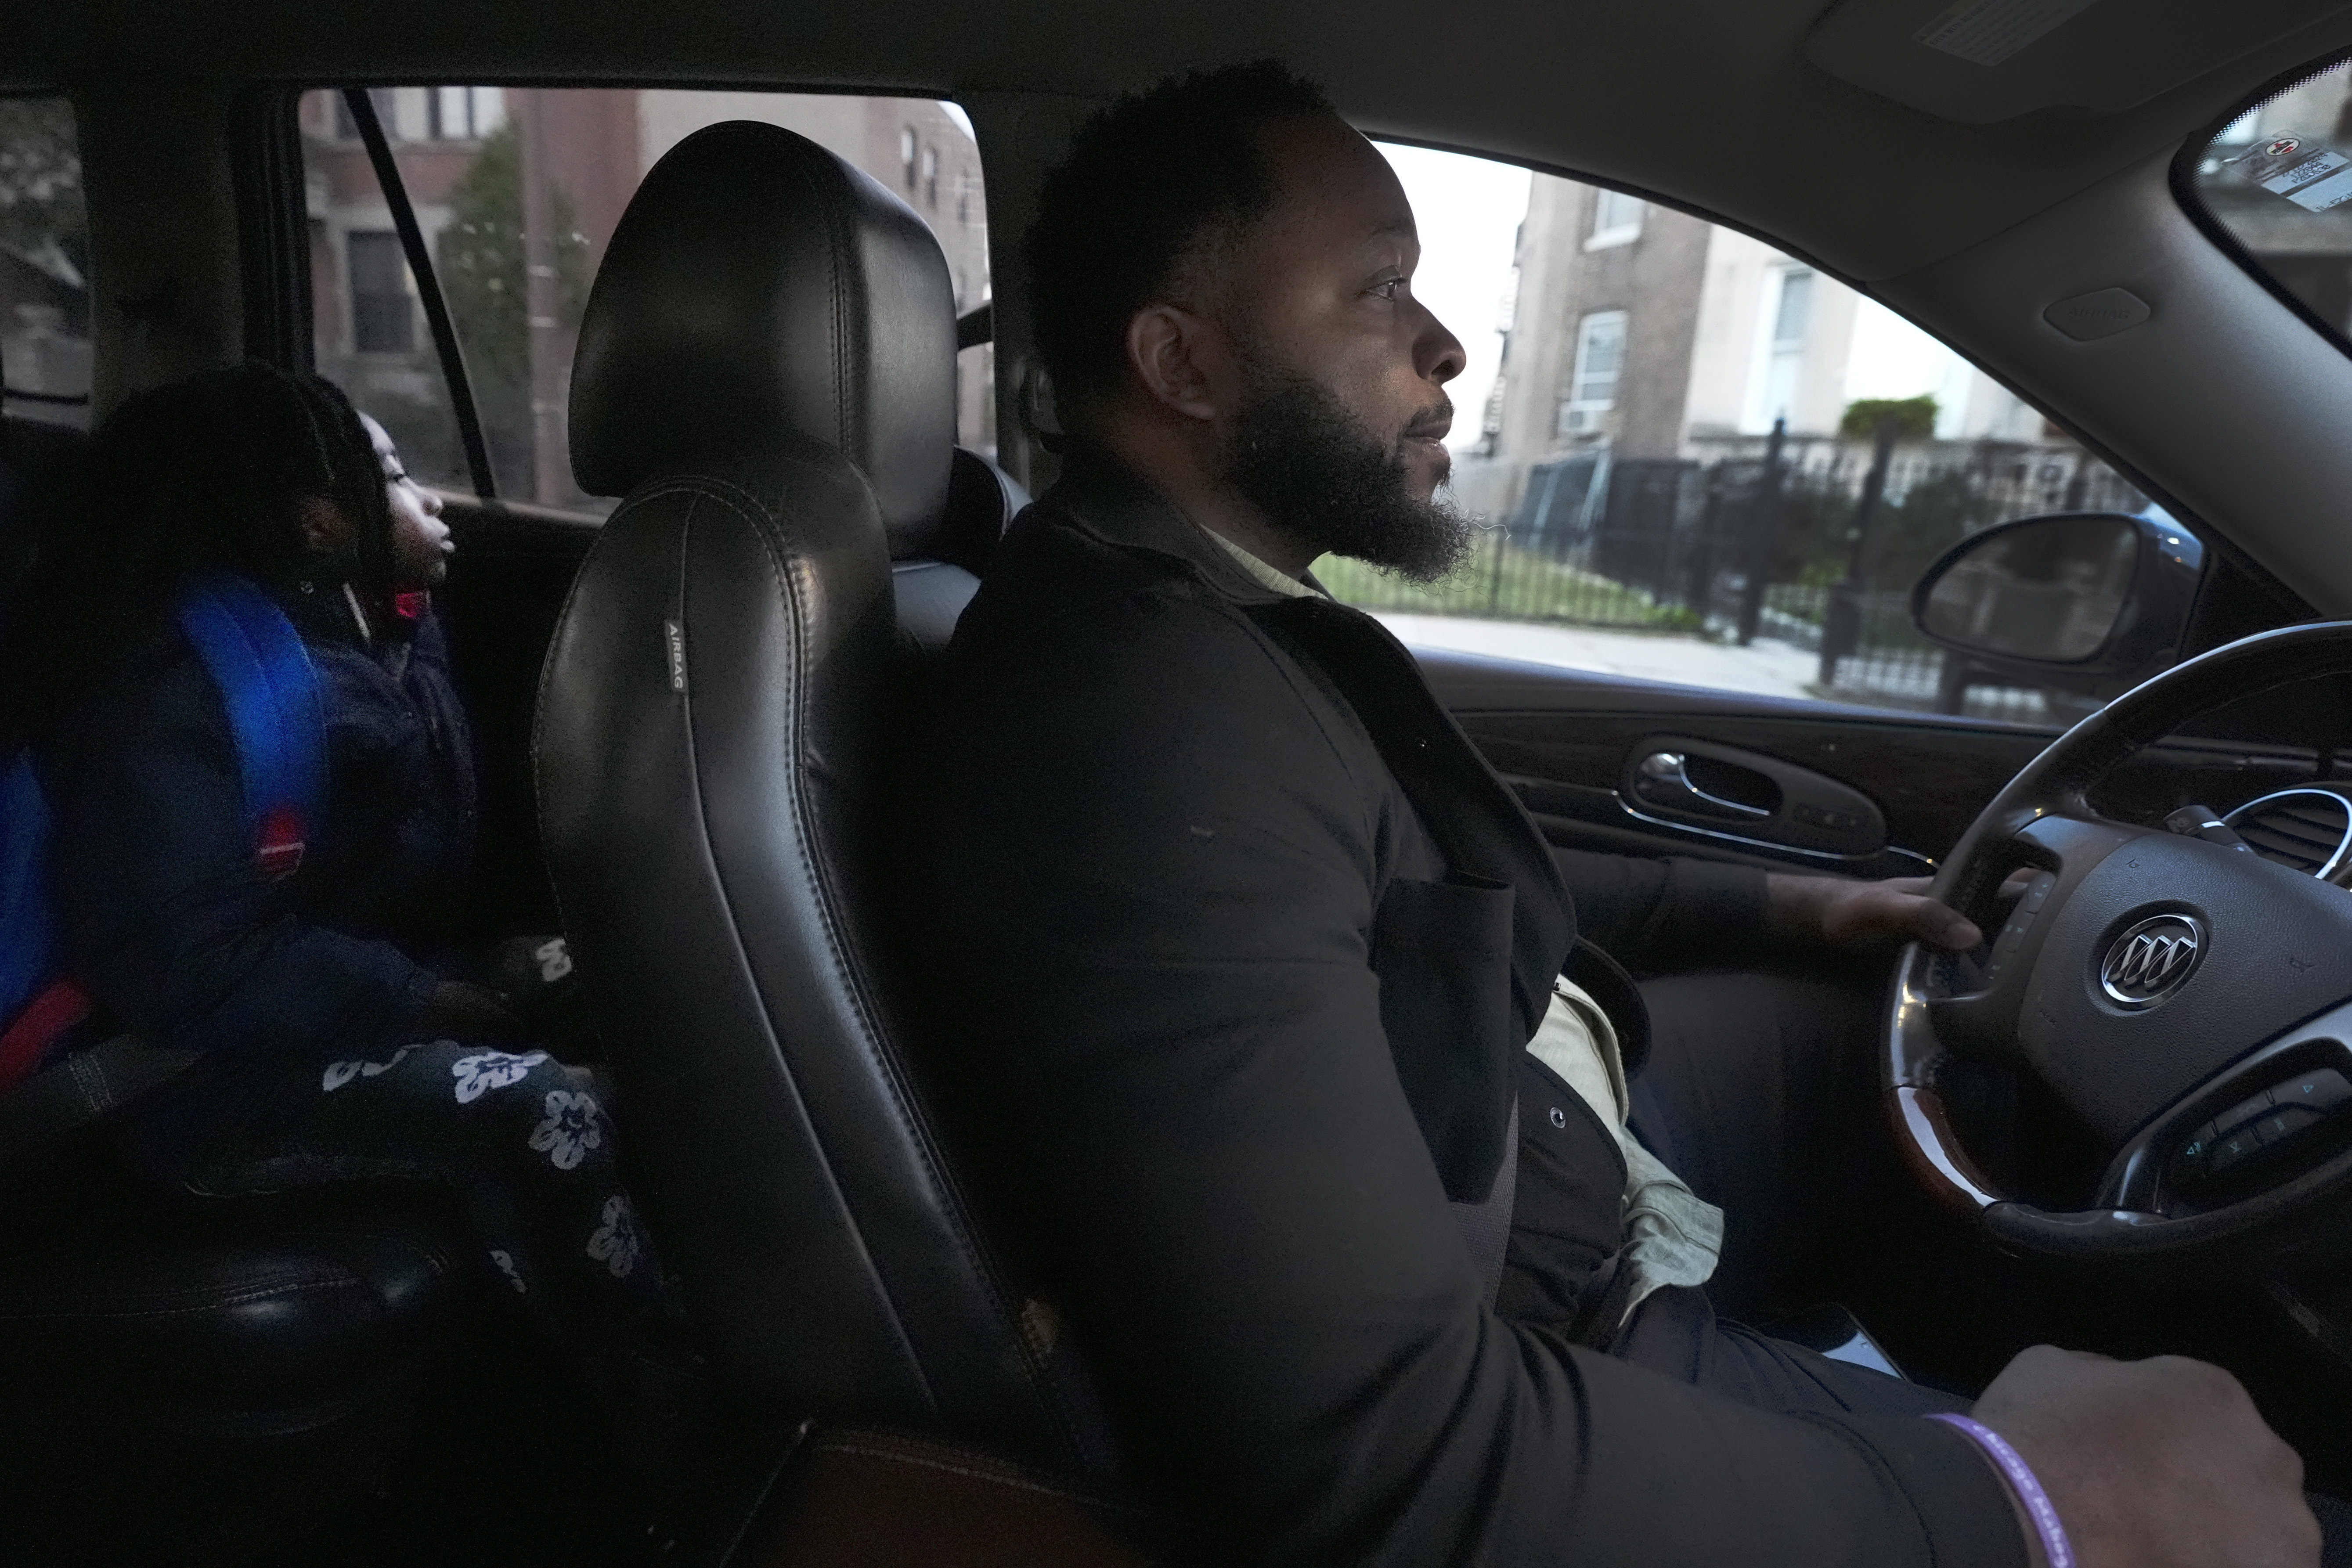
(1814, 543)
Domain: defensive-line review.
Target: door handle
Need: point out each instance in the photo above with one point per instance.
(1729, 791)
(1664, 779)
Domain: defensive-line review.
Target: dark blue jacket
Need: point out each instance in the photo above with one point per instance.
(165, 917)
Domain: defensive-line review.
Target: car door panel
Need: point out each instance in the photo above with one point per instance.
(1690, 782)
(1571, 743)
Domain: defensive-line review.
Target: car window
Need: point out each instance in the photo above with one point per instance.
(44, 353)
(2277, 181)
(515, 192)
(1703, 461)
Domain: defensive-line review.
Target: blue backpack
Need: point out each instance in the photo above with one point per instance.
(278, 724)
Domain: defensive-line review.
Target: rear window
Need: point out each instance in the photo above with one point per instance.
(515, 193)
(44, 355)
(2277, 181)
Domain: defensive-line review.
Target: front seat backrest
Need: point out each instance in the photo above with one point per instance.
(766, 368)
(934, 571)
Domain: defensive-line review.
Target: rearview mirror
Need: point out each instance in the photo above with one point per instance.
(2083, 594)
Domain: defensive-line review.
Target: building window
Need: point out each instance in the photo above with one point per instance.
(382, 321)
(1600, 358)
(1784, 363)
(907, 154)
(466, 113)
(1616, 219)
(931, 176)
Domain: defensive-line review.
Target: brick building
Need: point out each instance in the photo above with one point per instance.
(587, 149)
(1654, 334)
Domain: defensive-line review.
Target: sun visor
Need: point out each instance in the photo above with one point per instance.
(1978, 61)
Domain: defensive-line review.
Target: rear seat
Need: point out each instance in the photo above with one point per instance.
(130, 1327)
(137, 1336)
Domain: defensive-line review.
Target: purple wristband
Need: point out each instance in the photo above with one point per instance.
(2055, 1545)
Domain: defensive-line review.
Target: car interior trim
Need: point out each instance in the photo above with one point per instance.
(1909, 862)
(445, 345)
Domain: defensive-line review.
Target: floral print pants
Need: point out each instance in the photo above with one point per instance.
(524, 1141)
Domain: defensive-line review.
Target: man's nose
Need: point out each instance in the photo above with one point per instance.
(1438, 354)
(431, 500)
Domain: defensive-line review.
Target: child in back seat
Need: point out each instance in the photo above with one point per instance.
(332, 1052)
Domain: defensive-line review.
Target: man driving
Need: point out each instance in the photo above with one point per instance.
(1391, 1213)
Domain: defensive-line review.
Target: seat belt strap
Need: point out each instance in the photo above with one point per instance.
(58, 1101)
(27, 923)
(26, 1041)
(270, 689)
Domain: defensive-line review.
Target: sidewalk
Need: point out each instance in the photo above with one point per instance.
(1766, 668)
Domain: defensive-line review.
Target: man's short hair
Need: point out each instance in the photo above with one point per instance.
(1146, 181)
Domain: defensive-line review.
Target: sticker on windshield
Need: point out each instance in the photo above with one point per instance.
(2312, 176)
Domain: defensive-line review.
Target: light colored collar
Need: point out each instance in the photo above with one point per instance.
(1271, 578)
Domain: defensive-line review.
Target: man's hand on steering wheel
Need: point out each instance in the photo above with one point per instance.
(1867, 918)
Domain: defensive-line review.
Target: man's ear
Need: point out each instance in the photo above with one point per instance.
(322, 525)
(1172, 351)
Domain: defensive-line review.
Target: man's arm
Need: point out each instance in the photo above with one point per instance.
(1834, 914)
(1151, 897)
(1654, 912)
(1664, 912)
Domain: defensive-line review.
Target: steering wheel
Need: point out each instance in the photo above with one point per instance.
(2190, 1003)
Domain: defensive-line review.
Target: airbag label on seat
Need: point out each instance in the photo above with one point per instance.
(674, 641)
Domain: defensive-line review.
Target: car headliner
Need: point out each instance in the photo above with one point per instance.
(1711, 102)
(1729, 108)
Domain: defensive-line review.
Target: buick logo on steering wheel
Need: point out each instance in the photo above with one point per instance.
(2152, 960)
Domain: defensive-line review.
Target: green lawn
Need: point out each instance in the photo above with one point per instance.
(1528, 588)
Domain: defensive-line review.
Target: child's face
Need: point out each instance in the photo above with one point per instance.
(421, 546)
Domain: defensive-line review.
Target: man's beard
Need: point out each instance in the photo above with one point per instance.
(1311, 465)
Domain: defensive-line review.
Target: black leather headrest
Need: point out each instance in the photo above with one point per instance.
(757, 285)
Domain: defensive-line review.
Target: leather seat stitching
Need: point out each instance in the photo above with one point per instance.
(239, 1298)
(970, 1471)
(765, 525)
(761, 519)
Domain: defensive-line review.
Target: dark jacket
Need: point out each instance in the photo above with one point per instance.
(1243, 943)
(167, 920)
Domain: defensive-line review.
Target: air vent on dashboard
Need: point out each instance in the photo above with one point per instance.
(2309, 830)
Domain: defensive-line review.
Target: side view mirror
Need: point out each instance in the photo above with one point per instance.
(2091, 601)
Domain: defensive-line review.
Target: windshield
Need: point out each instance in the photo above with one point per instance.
(2278, 180)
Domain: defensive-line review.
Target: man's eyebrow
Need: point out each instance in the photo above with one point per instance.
(1403, 227)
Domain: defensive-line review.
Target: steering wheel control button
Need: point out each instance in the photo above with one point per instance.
(2151, 961)
(2245, 1110)
(2021, 921)
(2284, 1123)
(2227, 1151)
(2260, 1124)
(2101, 313)
(2323, 1090)
(2204, 821)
